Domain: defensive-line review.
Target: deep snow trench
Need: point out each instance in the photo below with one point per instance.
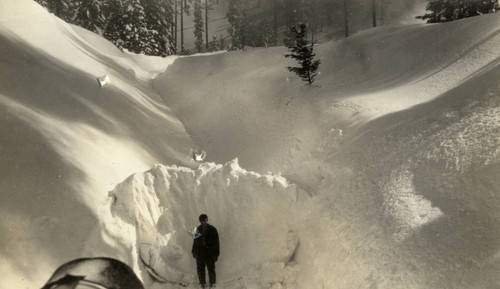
(257, 217)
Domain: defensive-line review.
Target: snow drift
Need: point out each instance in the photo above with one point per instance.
(66, 141)
(381, 175)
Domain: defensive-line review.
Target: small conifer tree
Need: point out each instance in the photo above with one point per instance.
(303, 54)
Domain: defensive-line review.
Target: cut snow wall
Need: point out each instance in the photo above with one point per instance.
(254, 215)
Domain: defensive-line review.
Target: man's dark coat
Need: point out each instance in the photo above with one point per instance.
(206, 246)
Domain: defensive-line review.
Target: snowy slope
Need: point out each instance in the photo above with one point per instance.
(381, 175)
(365, 76)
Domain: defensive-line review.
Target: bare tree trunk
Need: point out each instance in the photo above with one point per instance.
(172, 32)
(275, 22)
(182, 26)
(206, 24)
(374, 13)
(346, 21)
(175, 36)
(382, 12)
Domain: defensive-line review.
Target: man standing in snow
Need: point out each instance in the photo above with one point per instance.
(205, 250)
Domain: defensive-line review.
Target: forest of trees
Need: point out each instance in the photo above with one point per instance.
(156, 27)
(270, 24)
(448, 10)
(140, 26)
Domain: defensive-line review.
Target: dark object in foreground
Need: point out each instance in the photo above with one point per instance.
(99, 273)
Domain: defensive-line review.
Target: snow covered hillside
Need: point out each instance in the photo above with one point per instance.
(383, 174)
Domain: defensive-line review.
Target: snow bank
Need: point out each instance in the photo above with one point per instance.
(256, 216)
(388, 57)
(67, 141)
(426, 178)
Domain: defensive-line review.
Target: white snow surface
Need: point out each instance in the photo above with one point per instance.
(382, 174)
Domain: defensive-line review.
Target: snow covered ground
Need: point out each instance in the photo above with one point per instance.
(383, 174)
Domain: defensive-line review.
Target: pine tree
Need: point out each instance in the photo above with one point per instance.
(65, 10)
(182, 26)
(198, 25)
(238, 20)
(207, 7)
(110, 9)
(217, 44)
(184, 8)
(260, 34)
(275, 22)
(187, 7)
(42, 2)
(128, 29)
(303, 54)
(90, 15)
(58, 7)
(159, 20)
(448, 10)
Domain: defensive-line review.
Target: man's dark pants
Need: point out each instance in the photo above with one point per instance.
(200, 266)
